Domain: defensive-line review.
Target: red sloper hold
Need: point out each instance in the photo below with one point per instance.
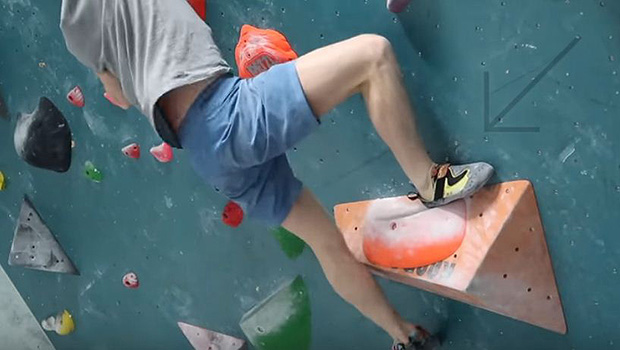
(76, 97)
(200, 6)
(132, 151)
(232, 214)
(162, 153)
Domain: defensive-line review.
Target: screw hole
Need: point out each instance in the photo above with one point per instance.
(480, 215)
(355, 228)
(548, 297)
(531, 229)
(516, 249)
(455, 256)
(529, 290)
(393, 226)
(505, 276)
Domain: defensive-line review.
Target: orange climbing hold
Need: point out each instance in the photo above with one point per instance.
(403, 233)
(259, 49)
(232, 214)
(501, 265)
(200, 6)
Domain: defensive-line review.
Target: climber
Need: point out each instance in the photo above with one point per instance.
(159, 56)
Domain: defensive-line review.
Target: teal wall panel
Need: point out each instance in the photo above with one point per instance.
(160, 221)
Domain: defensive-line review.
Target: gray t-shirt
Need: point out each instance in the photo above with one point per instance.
(151, 46)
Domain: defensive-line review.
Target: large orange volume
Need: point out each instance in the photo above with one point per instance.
(401, 233)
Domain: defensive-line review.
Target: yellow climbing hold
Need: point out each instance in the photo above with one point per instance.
(2, 183)
(66, 324)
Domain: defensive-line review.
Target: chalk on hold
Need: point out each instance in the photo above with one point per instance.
(204, 339)
(282, 321)
(259, 49)
(130, 280)
(76, 97)
(232, 215)
(61, 323)
(163, 153)
(502, 265)
(43, 138)
(132, 151)
(397, 6)
(2, 181)
(92, 172)
(35, 247)
(200, 6)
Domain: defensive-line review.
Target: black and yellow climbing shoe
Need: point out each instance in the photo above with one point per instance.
(453, 182)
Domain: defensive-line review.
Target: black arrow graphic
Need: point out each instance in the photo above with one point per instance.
(490, 125)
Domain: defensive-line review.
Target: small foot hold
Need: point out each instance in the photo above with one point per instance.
(131, 281)
(132, 151)
(76, 97)
(2, 181)
(92, 172)
(163, 153)
(204, 339)
(397, 6)
(62, 323)
(232, 214)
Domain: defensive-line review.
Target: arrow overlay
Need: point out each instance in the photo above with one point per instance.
(490, 125)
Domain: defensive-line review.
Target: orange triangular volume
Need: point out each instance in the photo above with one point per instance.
(502, 264)
(204, 339)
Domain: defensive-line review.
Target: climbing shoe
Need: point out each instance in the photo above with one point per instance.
(419, 339)
(453, 182)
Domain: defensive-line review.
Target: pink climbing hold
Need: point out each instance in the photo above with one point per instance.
(397, 6)
(162, 153)
(76, 97)
(132, 151)
(131, 281)
(111, 99)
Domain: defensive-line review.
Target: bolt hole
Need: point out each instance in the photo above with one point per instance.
(531, 229)
(347, 210)
(33, 247)
(508, 190)
(393, 226)
(260, 329)
(529, 290)
(480, 215)
(355, 228)
(505, 276)
(455, 256)
(548, 297)
(516, 249)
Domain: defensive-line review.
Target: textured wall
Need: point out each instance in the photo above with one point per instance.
(552, 64)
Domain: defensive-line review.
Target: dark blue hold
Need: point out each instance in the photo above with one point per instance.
(4, 110)
(43, 138)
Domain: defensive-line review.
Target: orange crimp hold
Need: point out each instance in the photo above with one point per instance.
(259, 49)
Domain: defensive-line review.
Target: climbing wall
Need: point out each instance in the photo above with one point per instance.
(530, 86)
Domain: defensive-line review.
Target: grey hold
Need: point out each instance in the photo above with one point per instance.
(43, 138)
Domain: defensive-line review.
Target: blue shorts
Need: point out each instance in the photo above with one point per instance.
(237, 132)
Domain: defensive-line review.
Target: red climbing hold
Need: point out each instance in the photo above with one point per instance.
(162, 153)
(130, 281)
(76, 97)
(200, 6)
(232, 214)
(132, 151)
(259, 49)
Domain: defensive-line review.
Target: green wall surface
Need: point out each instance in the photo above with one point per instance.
(552, 81)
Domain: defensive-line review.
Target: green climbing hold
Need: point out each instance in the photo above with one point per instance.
(282, 321)
(92, 172)
(292, 245)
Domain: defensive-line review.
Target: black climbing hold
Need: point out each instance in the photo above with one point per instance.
(35, 247)
(4, 109)
(43, 138)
